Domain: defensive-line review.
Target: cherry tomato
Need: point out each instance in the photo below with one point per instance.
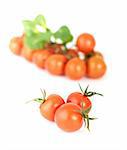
(96, 67)
(40, 56)
(98, 54)
(85, 43)
(94, 53)
(68, 117)
(16, 45)
(55, 64)
(81, 100)
(71, 53)
(75, 69)
(49, 107)
(27, 53)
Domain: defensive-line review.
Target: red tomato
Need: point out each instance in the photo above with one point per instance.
(80, 99)
(71, 53)
(68, 117)
(75, 69)
(27, 53)
(86, 43)
(94, 53)
(98, 54)
(16, 45)
(55, 64)
(96, 67)
(49, 107)
(40, 56)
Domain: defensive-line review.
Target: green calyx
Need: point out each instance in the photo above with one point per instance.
(40, 100)
(88, 93)
(43, 99)
(85, 115)
(86, 118)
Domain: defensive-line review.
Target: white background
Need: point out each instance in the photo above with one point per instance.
(21, 125)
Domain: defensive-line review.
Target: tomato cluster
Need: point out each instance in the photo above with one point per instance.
(59, 60)
(68, 116)
(48, 49)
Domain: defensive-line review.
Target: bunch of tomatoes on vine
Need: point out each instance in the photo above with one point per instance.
(70, 114)
(49, 50)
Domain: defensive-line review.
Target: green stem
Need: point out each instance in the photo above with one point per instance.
(86, 117)
(88, 124)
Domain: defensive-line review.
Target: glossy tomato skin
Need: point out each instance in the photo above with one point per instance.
(98, 54)
(96, 67)
(80, 99)
(49, 107)
(75, 69)
(86, 43)
(27, 53)
(94, 53)
(68, 117)
(40, 56)
(71, 53)
(55, 64)
(16, 45)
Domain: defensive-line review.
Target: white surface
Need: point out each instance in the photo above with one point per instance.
(21, 126)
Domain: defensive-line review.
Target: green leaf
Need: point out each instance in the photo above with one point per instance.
(37, 41)
(64, 34)
(29, 27)
(40, 20)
